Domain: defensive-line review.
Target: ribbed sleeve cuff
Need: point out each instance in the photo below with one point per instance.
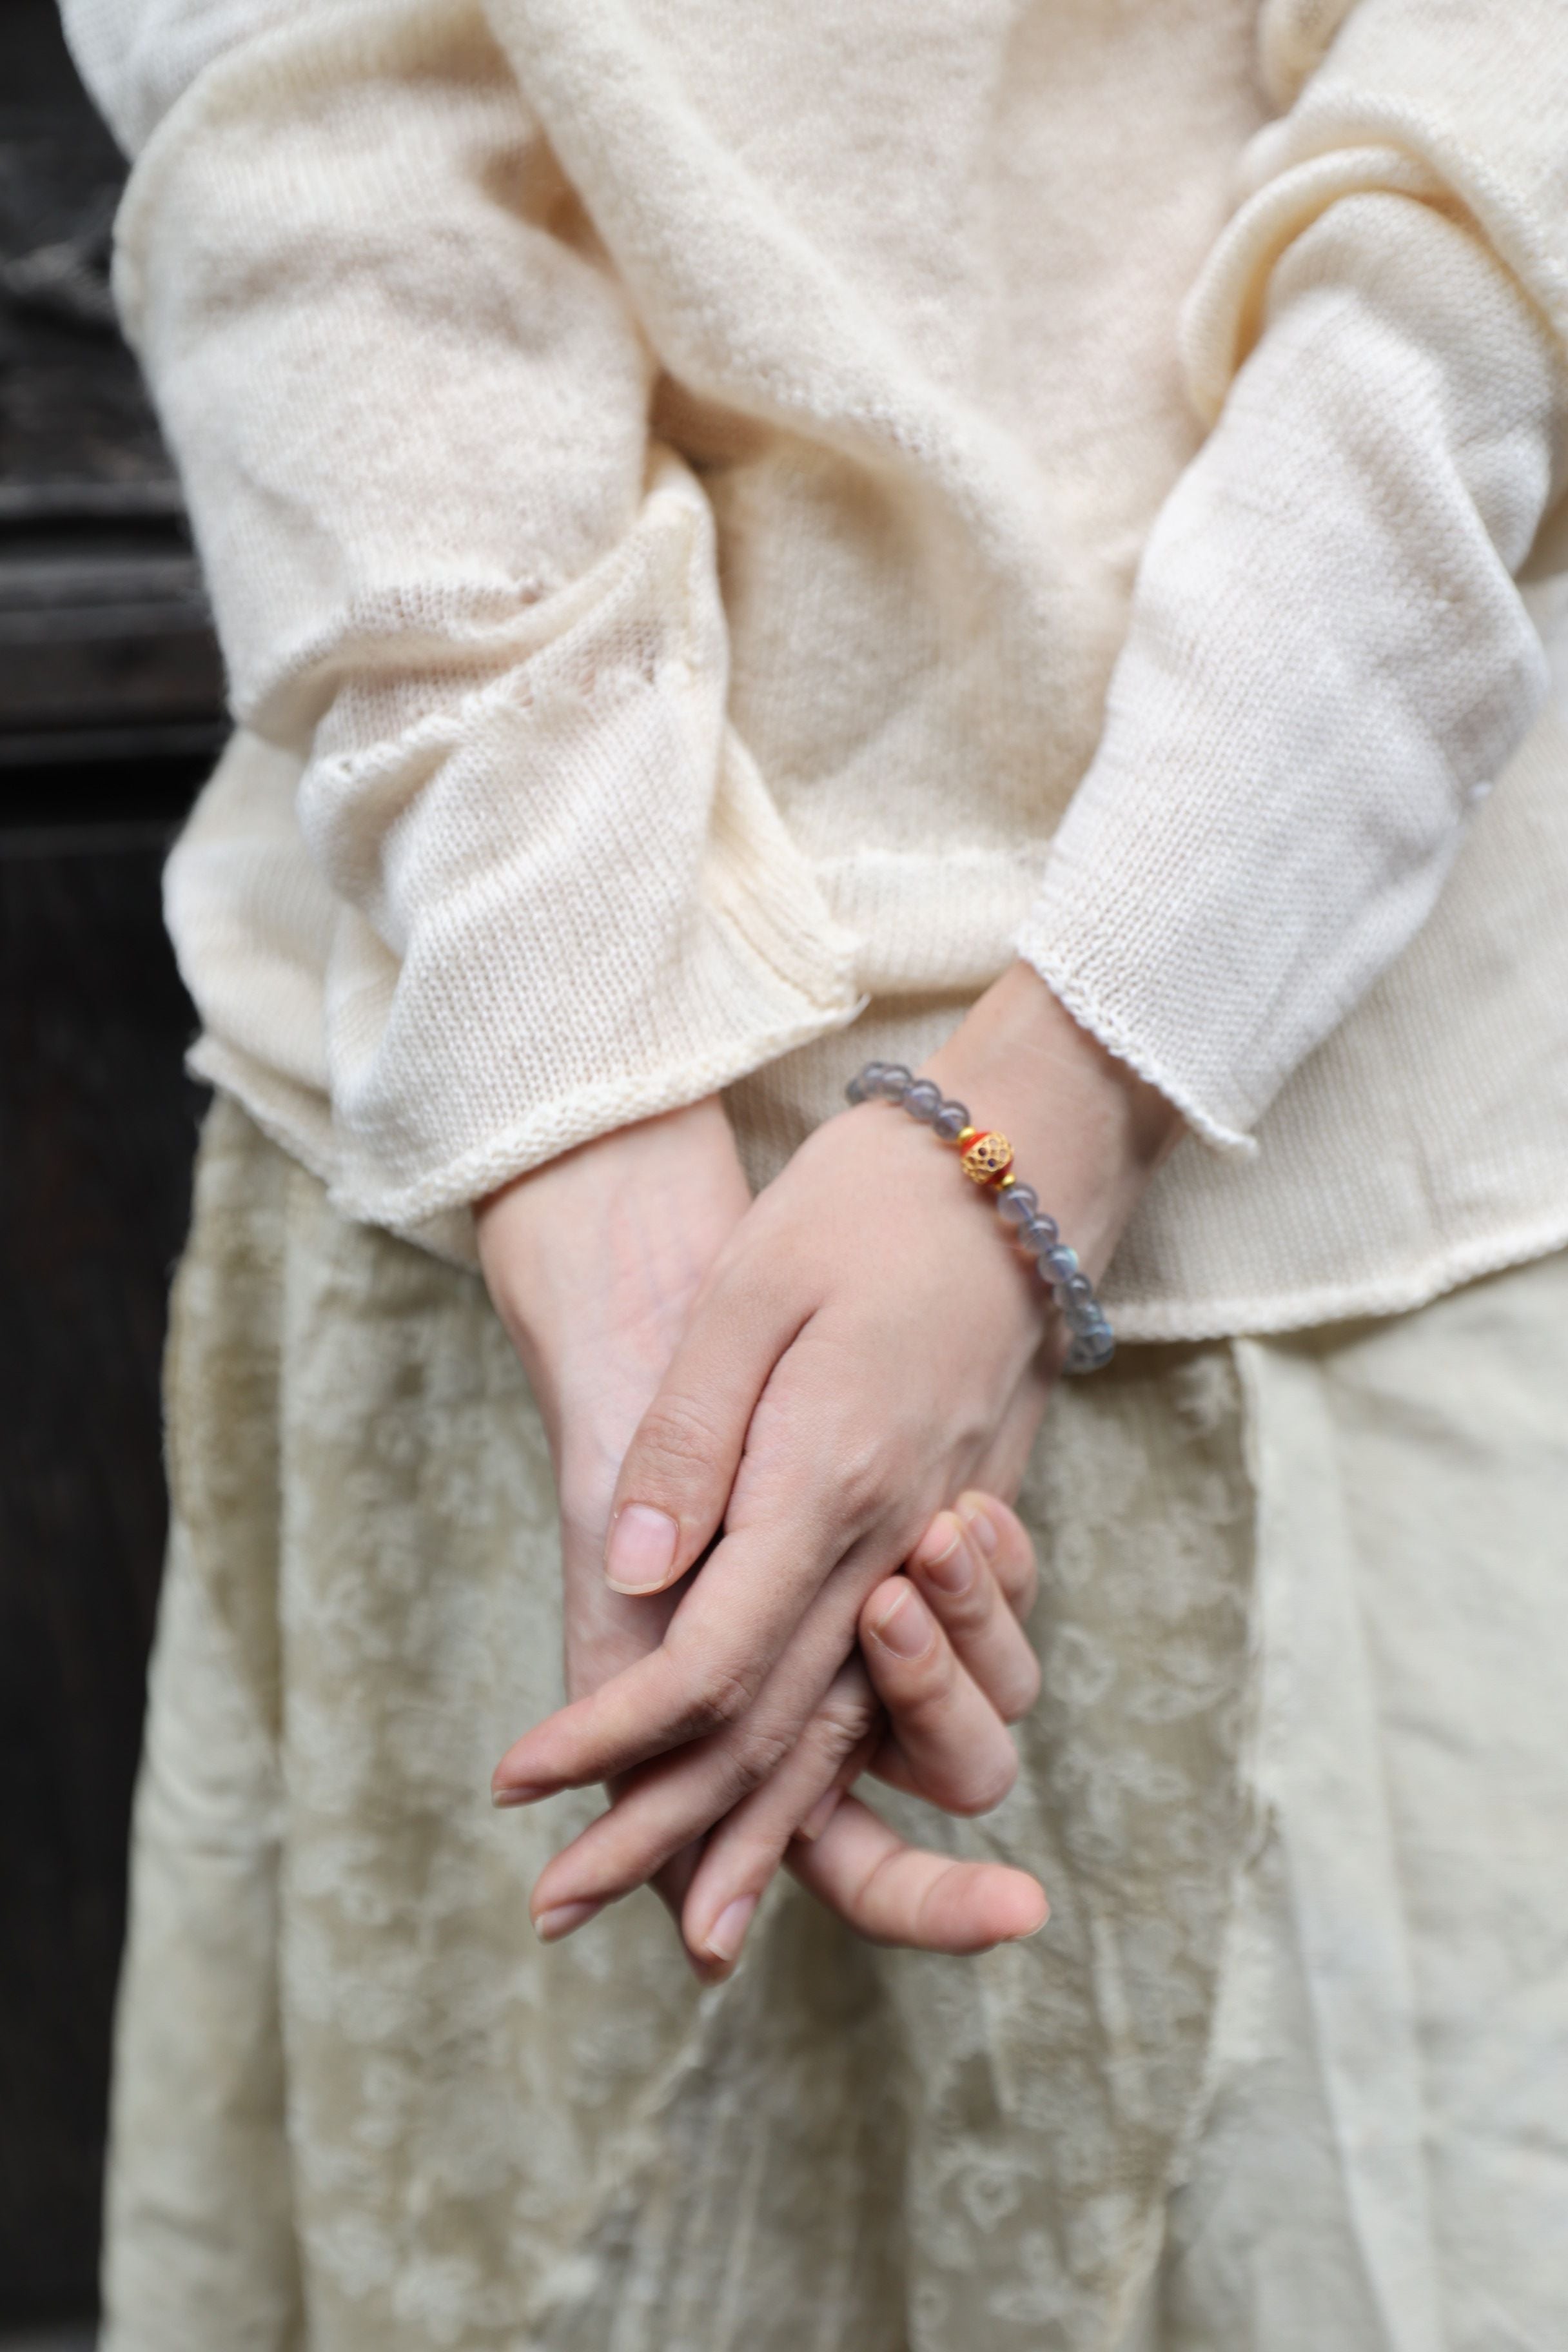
(1049, 947)
(472, 1084)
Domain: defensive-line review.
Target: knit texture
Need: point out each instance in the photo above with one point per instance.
(710, 524)
(1328, 664)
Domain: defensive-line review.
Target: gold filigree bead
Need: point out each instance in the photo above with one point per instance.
(987, 1158)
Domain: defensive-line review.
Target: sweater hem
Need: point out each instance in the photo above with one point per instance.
(289, 1115)
(577, 1117)
(289, 1118)
(1140, 1322)
(1154, 1323)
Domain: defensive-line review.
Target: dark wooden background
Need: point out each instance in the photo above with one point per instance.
(110, 703)
(97, 1125)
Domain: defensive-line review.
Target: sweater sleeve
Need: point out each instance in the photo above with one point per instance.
(1328, 658)
(454, 577)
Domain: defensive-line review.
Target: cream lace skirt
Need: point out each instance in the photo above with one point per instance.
(1287, 2069)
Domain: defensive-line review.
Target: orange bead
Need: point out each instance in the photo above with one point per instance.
(988, 1157)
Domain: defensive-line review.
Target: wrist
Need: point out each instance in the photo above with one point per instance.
(1087, 1131)
(599, 1250)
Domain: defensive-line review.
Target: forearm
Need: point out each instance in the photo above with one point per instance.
(457, 582)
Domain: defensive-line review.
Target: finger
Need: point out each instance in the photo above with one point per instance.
(670, 1884)
(678, 1471)
(745, 1849)
(1001, 1468)
(951, 1736)
(1011, 1557)
(675, 1797)
(954, 1578)
(949, 1746)
(722, 1645)
(895, 1894)
(861, 1759)
(953, 1749)
(821, 1499)
(603, 1631)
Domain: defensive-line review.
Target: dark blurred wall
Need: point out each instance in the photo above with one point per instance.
(109, 698)
(97, 1126)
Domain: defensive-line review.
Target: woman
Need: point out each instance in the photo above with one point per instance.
(672, 483)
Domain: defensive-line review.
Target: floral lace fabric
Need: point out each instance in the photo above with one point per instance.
(359, 2104)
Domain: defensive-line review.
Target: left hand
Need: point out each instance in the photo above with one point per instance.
(593, 1261)
(866, 1346)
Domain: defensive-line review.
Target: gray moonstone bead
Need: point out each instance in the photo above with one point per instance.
(855, 1091)
(1078, 1290)
(951, 1121)
(1039, 1234)
(1092, 1349)
(893, 1081)
(1081, 1314)
(923, 1100)
(1017, 1205)
(1058, 1262)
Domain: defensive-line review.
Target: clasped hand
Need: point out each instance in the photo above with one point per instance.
(795, 1389)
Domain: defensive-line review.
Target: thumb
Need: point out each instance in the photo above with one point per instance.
(675, 1478)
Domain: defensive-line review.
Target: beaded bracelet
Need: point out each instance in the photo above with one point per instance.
(987, 1158)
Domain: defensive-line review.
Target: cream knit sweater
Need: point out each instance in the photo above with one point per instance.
(711, 520)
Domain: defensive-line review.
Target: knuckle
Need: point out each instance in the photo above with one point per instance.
(677, 1444)
(840, 1727)
(715, 1697)
(723, 1694)
(758, 1753)
(863, 1478)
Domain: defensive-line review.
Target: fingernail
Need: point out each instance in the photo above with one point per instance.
(907, 1628)
(941, 1537)
(642, 1548)
(821, 1813)
(523, 1793)
(1030, 1933)
(727, 1932)
(980, 1525)
(551, 1926)
(951, 1571)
